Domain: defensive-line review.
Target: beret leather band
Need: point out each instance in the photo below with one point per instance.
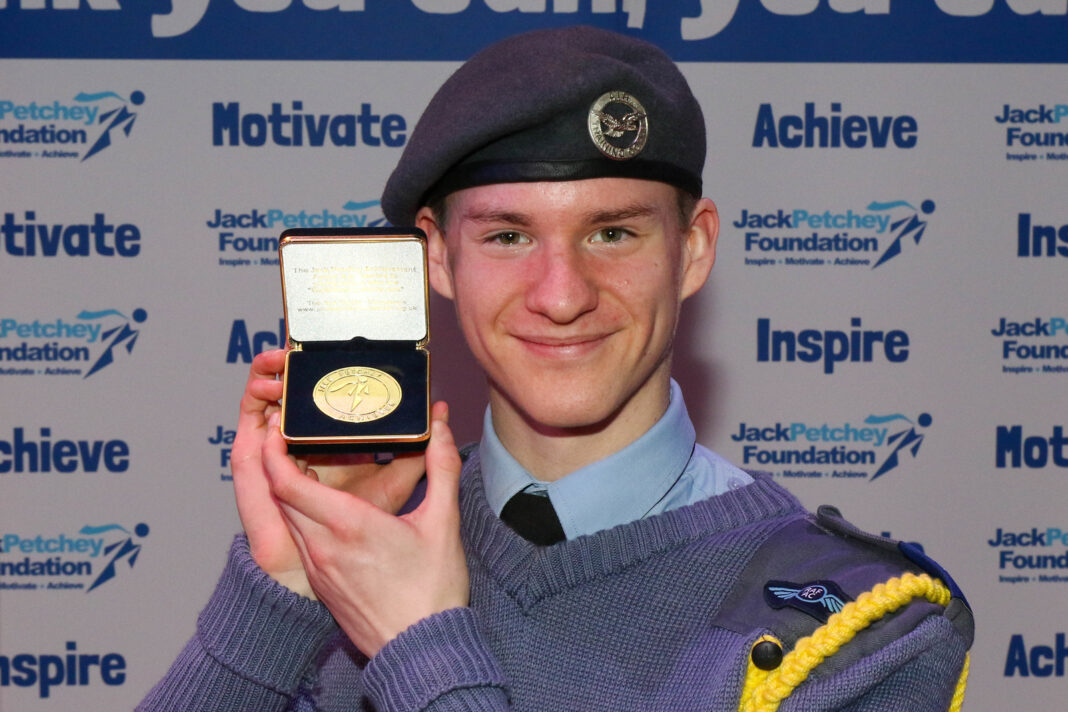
(469, 175)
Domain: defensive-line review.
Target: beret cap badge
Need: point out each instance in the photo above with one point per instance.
(618, 125)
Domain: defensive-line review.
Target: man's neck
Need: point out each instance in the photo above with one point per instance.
(549, 453)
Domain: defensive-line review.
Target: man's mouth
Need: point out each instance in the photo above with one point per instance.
(562, 346)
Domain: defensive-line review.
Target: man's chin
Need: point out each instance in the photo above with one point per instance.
(572, 413)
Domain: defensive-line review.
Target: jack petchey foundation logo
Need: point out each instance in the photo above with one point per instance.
(816, 237)
(1032, 344)
(221, 441)
(1034, 133)
(248, 237)
(863, 450)
(77, 128)
(81, 345)
(83, 559)
(1038, 554)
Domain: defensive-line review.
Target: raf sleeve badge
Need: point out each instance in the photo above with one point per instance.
(818, 599)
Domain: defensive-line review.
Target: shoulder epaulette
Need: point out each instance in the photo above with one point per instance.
(820, 595)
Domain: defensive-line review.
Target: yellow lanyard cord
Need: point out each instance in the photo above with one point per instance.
(962, 682)
(764, 690)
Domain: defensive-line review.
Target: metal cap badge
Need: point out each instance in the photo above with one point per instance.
(618, 125)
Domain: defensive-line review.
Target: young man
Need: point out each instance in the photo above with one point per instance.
(557, 177)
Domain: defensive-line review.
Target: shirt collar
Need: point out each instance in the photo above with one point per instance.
(620, 488)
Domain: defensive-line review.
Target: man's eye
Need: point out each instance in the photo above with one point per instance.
(609, 234)
(509, 238)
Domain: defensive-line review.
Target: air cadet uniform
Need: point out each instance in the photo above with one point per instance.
(681, 582)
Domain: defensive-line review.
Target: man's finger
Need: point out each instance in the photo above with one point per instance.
(258, 389)
(443, 467)
(268, 363)
(266, 390)
(290, 486)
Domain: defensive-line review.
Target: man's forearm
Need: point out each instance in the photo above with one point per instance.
(254, 645)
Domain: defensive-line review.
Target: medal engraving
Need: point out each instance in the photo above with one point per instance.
(357, 394)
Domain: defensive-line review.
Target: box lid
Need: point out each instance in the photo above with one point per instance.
(338, 285)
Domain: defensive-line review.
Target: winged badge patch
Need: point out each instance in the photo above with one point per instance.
(818, 599)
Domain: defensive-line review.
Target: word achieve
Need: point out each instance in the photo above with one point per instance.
(811, 130)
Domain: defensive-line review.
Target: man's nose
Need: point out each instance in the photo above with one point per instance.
(562, 288)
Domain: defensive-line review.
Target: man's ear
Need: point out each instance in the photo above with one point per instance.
(437, 253)
(699, 248)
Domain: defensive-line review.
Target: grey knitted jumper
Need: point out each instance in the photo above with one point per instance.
(644, 617)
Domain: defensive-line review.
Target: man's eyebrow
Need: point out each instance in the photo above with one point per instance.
(627, 212)
(594, 217)
(490, 215)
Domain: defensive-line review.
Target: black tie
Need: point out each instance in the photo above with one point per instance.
(532, 517)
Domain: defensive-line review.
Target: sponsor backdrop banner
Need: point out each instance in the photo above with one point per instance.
(886, 327)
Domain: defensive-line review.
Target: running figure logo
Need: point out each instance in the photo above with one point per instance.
(122, 549)
(123, 335)
(118, 119)
(905, 227)
(908, 438)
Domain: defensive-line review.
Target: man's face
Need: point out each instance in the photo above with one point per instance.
(568, 292)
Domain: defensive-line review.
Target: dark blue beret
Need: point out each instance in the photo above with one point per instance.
(560, 104)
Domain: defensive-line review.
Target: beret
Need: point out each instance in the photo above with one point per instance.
(552, 105)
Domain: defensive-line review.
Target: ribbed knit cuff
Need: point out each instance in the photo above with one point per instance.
(258, 628)
(442, 659)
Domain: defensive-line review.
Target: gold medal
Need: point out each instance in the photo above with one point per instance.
(357, 394)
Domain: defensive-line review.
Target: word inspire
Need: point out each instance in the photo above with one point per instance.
(831, 346)
(1040, 240)
(72, 669)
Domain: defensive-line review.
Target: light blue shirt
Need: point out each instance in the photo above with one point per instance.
(661, 470)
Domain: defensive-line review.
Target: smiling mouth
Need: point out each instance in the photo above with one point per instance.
(558, 341)
(570, 346)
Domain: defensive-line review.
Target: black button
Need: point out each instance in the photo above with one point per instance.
(767, 655)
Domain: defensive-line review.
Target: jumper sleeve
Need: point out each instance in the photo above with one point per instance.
(255, 644)
(442, 664)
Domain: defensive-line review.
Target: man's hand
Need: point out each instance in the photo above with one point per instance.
(387, 487)
(376, 572)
